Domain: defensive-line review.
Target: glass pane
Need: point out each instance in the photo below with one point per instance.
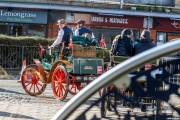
(136, 34)
(15, 29)
(3, 29)
(173, 36)
(161, 38)
(36, 30)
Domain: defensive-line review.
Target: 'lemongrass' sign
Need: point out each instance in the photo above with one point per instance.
(23, 16)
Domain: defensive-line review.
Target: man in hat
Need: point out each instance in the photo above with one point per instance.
(63, 36)
(81, 29)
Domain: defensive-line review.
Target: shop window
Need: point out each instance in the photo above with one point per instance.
(161, 38)
(3, 29)
(36, 30)
(136, 34)
(15, 29)
(112, 38)
(173, 36)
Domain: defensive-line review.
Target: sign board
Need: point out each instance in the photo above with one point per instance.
(111, 21)
(116, 21)
(148, 23)
(55, 16)
(18, 16)
(166, 24)
(69, 17)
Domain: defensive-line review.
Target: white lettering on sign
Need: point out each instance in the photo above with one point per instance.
(97, 19)
(109, 20)
(15, 14)
(176, 24)
(118, 20)
(106, 19)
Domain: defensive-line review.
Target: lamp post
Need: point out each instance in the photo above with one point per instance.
(121, 4)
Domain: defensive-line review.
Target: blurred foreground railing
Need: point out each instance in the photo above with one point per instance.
(118, 73)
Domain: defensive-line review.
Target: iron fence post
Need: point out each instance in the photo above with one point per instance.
(22, 53)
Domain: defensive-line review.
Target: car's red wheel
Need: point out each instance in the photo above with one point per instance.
(59, 80)
(74, 88)
(31, 81)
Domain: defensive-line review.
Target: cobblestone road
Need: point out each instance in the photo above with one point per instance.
(15, 104)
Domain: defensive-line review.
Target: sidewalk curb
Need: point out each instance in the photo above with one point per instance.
(10, 77)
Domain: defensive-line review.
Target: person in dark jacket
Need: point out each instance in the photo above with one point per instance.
(64, 35)
(125, 44)
(145, 42)
(122, 45)
(81, 29)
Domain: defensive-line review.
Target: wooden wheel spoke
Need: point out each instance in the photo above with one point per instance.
(31, 87)
(27, 85)
(39, 84)
(60, 71)
(28, 75)
(56, 77)
(56, 86)
(63, 88)
(59, 89)
(37, 87)
(36, 76)
(63, 80)
(63, 75)
(34, 89)
(73, 87)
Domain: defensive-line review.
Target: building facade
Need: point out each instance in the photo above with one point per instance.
(41, 19)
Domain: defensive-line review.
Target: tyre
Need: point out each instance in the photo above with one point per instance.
(59, 83)
(31, 82)
(74, 88)
(105, 105)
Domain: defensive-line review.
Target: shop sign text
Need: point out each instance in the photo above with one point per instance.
(17, 14)
(176, 24)
(23, 16)
(109, 20)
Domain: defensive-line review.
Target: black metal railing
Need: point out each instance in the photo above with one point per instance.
(11, 57)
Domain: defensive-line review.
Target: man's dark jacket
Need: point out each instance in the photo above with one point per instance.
(143, 45)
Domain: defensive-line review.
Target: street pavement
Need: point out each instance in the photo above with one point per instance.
(15, 104)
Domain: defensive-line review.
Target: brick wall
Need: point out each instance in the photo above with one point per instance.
(52, 30)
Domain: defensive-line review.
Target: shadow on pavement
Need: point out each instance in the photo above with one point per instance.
(9, 91)
(13, 115)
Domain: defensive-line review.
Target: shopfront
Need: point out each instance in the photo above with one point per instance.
(23, 23)
(110, 26)
(53, 17)
(166, 30)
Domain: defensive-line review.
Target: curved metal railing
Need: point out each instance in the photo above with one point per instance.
(112, 75)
